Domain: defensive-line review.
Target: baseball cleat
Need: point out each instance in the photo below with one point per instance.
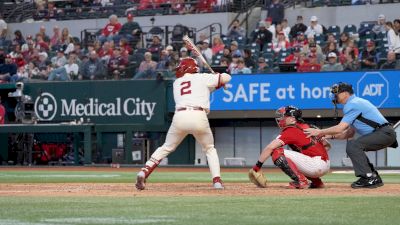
(217, 183)
(316, 183)
(298, 184)
(140, 181)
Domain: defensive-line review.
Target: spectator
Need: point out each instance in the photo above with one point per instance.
(41, 44)
(236, 30)
(330, 47)
(224, 62)
(234, 48)
(110, 30)
(298, 27)
(163, 62)
(300, 40)
(147, 68)
(276, 10)
(391, 62)
(351, 49)
(227, 53)
(3, 31)
(281, 44)
(206, 51)
(270, 26)
(42, 65)
(183, 52)
(310, 39)
(262, 66)
(393, 38)
(105, 52)
(32, 70)
(380, 26)
(155, 47)
(65, 37)
(248, 59)
(59, 60)
(240, 68)
(131, 31)
(18, 38)
(67, 72)
(294, 57)
(205, 6)
(8, 69)
(314, 27)
(332, 64)
(285, 28)
(396, 26)
(217, 45)
(2, 55)
(262, 36)
(233, 64)
(117, 64)
(344, 41)
(21, 75)
(2, 113)
(368, 57)
(278, 30)
(93, 69)
(126, 48)
(313, 53)
(331, 39)
(350, 63)
(42, 32)
(309, 64)
(55, 40)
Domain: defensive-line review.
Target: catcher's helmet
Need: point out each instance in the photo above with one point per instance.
(186, 65)
(286, 111)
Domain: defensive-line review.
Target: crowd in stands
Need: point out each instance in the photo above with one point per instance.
(307, 46)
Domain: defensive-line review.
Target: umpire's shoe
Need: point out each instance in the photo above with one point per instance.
(373, 181)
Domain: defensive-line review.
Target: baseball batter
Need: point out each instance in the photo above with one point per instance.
(309, 158)
(192, 104)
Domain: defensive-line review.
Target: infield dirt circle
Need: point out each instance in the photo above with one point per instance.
(177, 189)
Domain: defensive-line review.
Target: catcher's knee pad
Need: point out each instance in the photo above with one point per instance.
(276, 153)
(289, 168)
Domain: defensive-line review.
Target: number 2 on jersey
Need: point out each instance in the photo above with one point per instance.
(185, 88)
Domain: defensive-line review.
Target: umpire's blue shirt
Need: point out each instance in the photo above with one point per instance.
(356, 106)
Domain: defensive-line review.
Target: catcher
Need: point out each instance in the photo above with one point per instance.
(308, 159)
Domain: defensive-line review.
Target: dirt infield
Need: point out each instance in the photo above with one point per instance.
(176, 189)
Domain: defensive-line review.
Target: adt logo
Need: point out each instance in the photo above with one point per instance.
(374, 87)
(45, 106)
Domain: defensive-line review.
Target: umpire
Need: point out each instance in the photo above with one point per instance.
(375, 133)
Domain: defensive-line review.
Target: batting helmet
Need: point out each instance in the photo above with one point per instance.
(286, 111)
(186, 65)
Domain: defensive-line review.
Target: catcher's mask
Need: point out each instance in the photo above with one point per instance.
(186, 65)
(288, 111)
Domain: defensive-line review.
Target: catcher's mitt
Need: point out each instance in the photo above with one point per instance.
(258, 178)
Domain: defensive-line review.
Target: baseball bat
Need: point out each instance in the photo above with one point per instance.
(190, 45)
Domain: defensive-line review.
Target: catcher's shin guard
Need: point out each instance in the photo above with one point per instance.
(287, 166)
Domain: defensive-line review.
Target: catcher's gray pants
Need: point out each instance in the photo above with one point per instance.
(379, 139)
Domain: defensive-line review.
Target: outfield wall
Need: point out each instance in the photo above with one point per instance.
(242, 116)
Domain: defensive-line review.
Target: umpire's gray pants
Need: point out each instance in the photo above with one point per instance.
(379, 139)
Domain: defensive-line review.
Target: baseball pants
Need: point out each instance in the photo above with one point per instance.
(193, 122)
(379, 139)
(313, 167)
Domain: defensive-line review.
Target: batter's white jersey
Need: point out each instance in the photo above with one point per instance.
(193, 90)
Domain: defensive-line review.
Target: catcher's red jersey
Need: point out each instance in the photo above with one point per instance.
(296, 136)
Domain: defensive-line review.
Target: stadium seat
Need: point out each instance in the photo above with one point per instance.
(334, 29)
(226, 40)
(350, 28)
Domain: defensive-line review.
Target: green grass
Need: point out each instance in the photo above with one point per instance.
(178, 210)
(35, 176)
(199, 210)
